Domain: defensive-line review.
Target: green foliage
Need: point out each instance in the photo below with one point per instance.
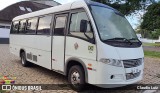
(150, 34)
(2, 91)
(155, 34)
(151, 19)
(145, 33)
(152, 44)
(152, 54)
(128, 7)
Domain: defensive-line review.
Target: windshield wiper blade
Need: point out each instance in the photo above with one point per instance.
(119, 38)
(137, 40)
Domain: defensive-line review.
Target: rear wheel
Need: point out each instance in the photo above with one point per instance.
(76, 77)
(24, 62)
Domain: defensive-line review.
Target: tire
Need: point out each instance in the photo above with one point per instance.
(76, 78)
(24, 62)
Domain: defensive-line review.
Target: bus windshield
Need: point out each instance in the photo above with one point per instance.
(112, 25)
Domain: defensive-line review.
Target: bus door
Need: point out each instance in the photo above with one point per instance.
(58, 42)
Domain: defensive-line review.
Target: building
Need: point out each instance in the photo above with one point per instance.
(23, 7)
(47, 2)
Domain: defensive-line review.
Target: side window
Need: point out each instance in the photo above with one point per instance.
(2, 26)
(5, 27)
(22, 26)
(31, 26)
(44, 25)
(15, 26)
(74, 29)
(60, 25)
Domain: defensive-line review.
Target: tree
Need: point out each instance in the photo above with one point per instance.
(127, 6)
(151, 19)
(155, 34)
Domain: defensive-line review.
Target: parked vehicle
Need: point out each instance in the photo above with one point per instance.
(88, 42)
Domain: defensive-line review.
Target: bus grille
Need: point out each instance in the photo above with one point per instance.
(132, 63)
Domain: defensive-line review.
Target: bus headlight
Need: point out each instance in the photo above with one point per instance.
(113, 62)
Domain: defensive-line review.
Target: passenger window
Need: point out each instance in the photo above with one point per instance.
(22, 26)
(60, 25)
(44, 25)
(31, 26)
(75, 26)
(15, 26)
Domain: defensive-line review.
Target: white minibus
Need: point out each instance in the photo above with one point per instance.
(86, 41)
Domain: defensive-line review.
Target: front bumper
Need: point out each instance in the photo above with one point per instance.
(111, 76)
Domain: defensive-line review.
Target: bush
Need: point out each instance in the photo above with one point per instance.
(150, 34)
(155, 34)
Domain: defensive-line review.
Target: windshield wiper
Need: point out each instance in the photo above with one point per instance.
(120, 39)
(137, 40)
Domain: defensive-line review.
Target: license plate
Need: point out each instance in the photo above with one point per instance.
(133, 70)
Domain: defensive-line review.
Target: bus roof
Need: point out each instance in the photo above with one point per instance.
(64, 7)
(45, 11)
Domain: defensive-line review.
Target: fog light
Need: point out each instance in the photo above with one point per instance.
(132, 76)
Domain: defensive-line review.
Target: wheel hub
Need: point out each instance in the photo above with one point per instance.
(75, 78)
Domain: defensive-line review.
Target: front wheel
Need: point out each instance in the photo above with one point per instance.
(76, 77)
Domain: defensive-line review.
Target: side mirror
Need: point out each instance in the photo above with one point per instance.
(83, 26)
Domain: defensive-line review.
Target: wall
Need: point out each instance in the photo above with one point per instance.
(5, 24)
(4, 36)
(145, 40)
